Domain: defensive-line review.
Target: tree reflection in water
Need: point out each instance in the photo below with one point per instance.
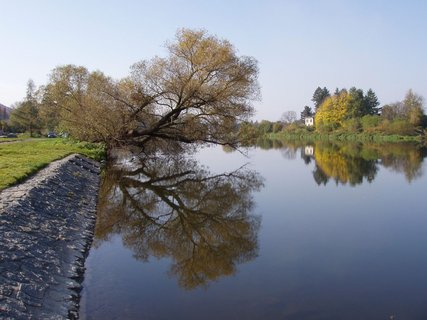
(344, 165)
(353, 162)
(173, 207)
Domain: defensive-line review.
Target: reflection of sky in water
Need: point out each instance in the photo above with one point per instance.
(326, 252)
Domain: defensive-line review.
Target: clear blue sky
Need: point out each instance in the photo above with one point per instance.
(299, 44)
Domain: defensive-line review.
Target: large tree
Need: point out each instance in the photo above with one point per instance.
(199, 92)
(333, 111)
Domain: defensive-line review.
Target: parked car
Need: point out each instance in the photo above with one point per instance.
(51, 135)
(12, 135)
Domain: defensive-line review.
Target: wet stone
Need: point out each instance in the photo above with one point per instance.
(46, 226)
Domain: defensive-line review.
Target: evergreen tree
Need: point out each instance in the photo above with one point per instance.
(307, 112)
(319, 96)
(371, 103)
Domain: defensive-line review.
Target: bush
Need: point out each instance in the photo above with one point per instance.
(277, 126)
(370, 122)
(326, 128)
(351, 125)
(398, 126)
(293, 127)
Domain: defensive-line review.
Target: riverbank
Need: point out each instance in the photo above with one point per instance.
(362, 137)
(46, 228)
(21, 159)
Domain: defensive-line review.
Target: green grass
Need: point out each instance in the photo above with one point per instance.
(9, 139)
(22, 159)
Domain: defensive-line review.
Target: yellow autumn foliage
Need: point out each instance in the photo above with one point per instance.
(333, 111)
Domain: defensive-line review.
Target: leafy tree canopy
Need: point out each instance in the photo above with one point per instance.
(199, 92)
(344, 105)
(333, 110)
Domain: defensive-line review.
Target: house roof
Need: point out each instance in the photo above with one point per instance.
(4, 112)
(6, 107)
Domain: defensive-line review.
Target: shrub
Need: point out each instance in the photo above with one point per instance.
(325, 128)
(351, 125)
(397, 126)
(277, 126)
(370, 122)
(293, 127)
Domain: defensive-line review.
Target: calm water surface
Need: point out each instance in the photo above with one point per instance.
(319, 231)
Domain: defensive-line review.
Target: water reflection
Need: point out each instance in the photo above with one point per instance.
(352, 162)
(172, 207)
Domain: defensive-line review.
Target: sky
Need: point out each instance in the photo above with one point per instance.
(299, 45)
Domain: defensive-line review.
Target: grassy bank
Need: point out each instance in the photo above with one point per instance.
(2, 140)
(22, 159)
(312, 136)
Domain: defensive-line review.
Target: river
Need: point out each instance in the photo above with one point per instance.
(289, 231)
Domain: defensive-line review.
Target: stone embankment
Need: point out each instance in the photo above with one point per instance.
(46, 228)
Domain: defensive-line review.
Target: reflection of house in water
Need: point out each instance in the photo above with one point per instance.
(307, 153)
(309, 150)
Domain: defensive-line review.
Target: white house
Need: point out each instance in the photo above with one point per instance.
(309, 121)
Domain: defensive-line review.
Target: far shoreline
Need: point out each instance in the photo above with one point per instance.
(345, 136)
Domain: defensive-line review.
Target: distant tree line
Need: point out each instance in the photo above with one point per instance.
(354, 111)
(348, 111)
